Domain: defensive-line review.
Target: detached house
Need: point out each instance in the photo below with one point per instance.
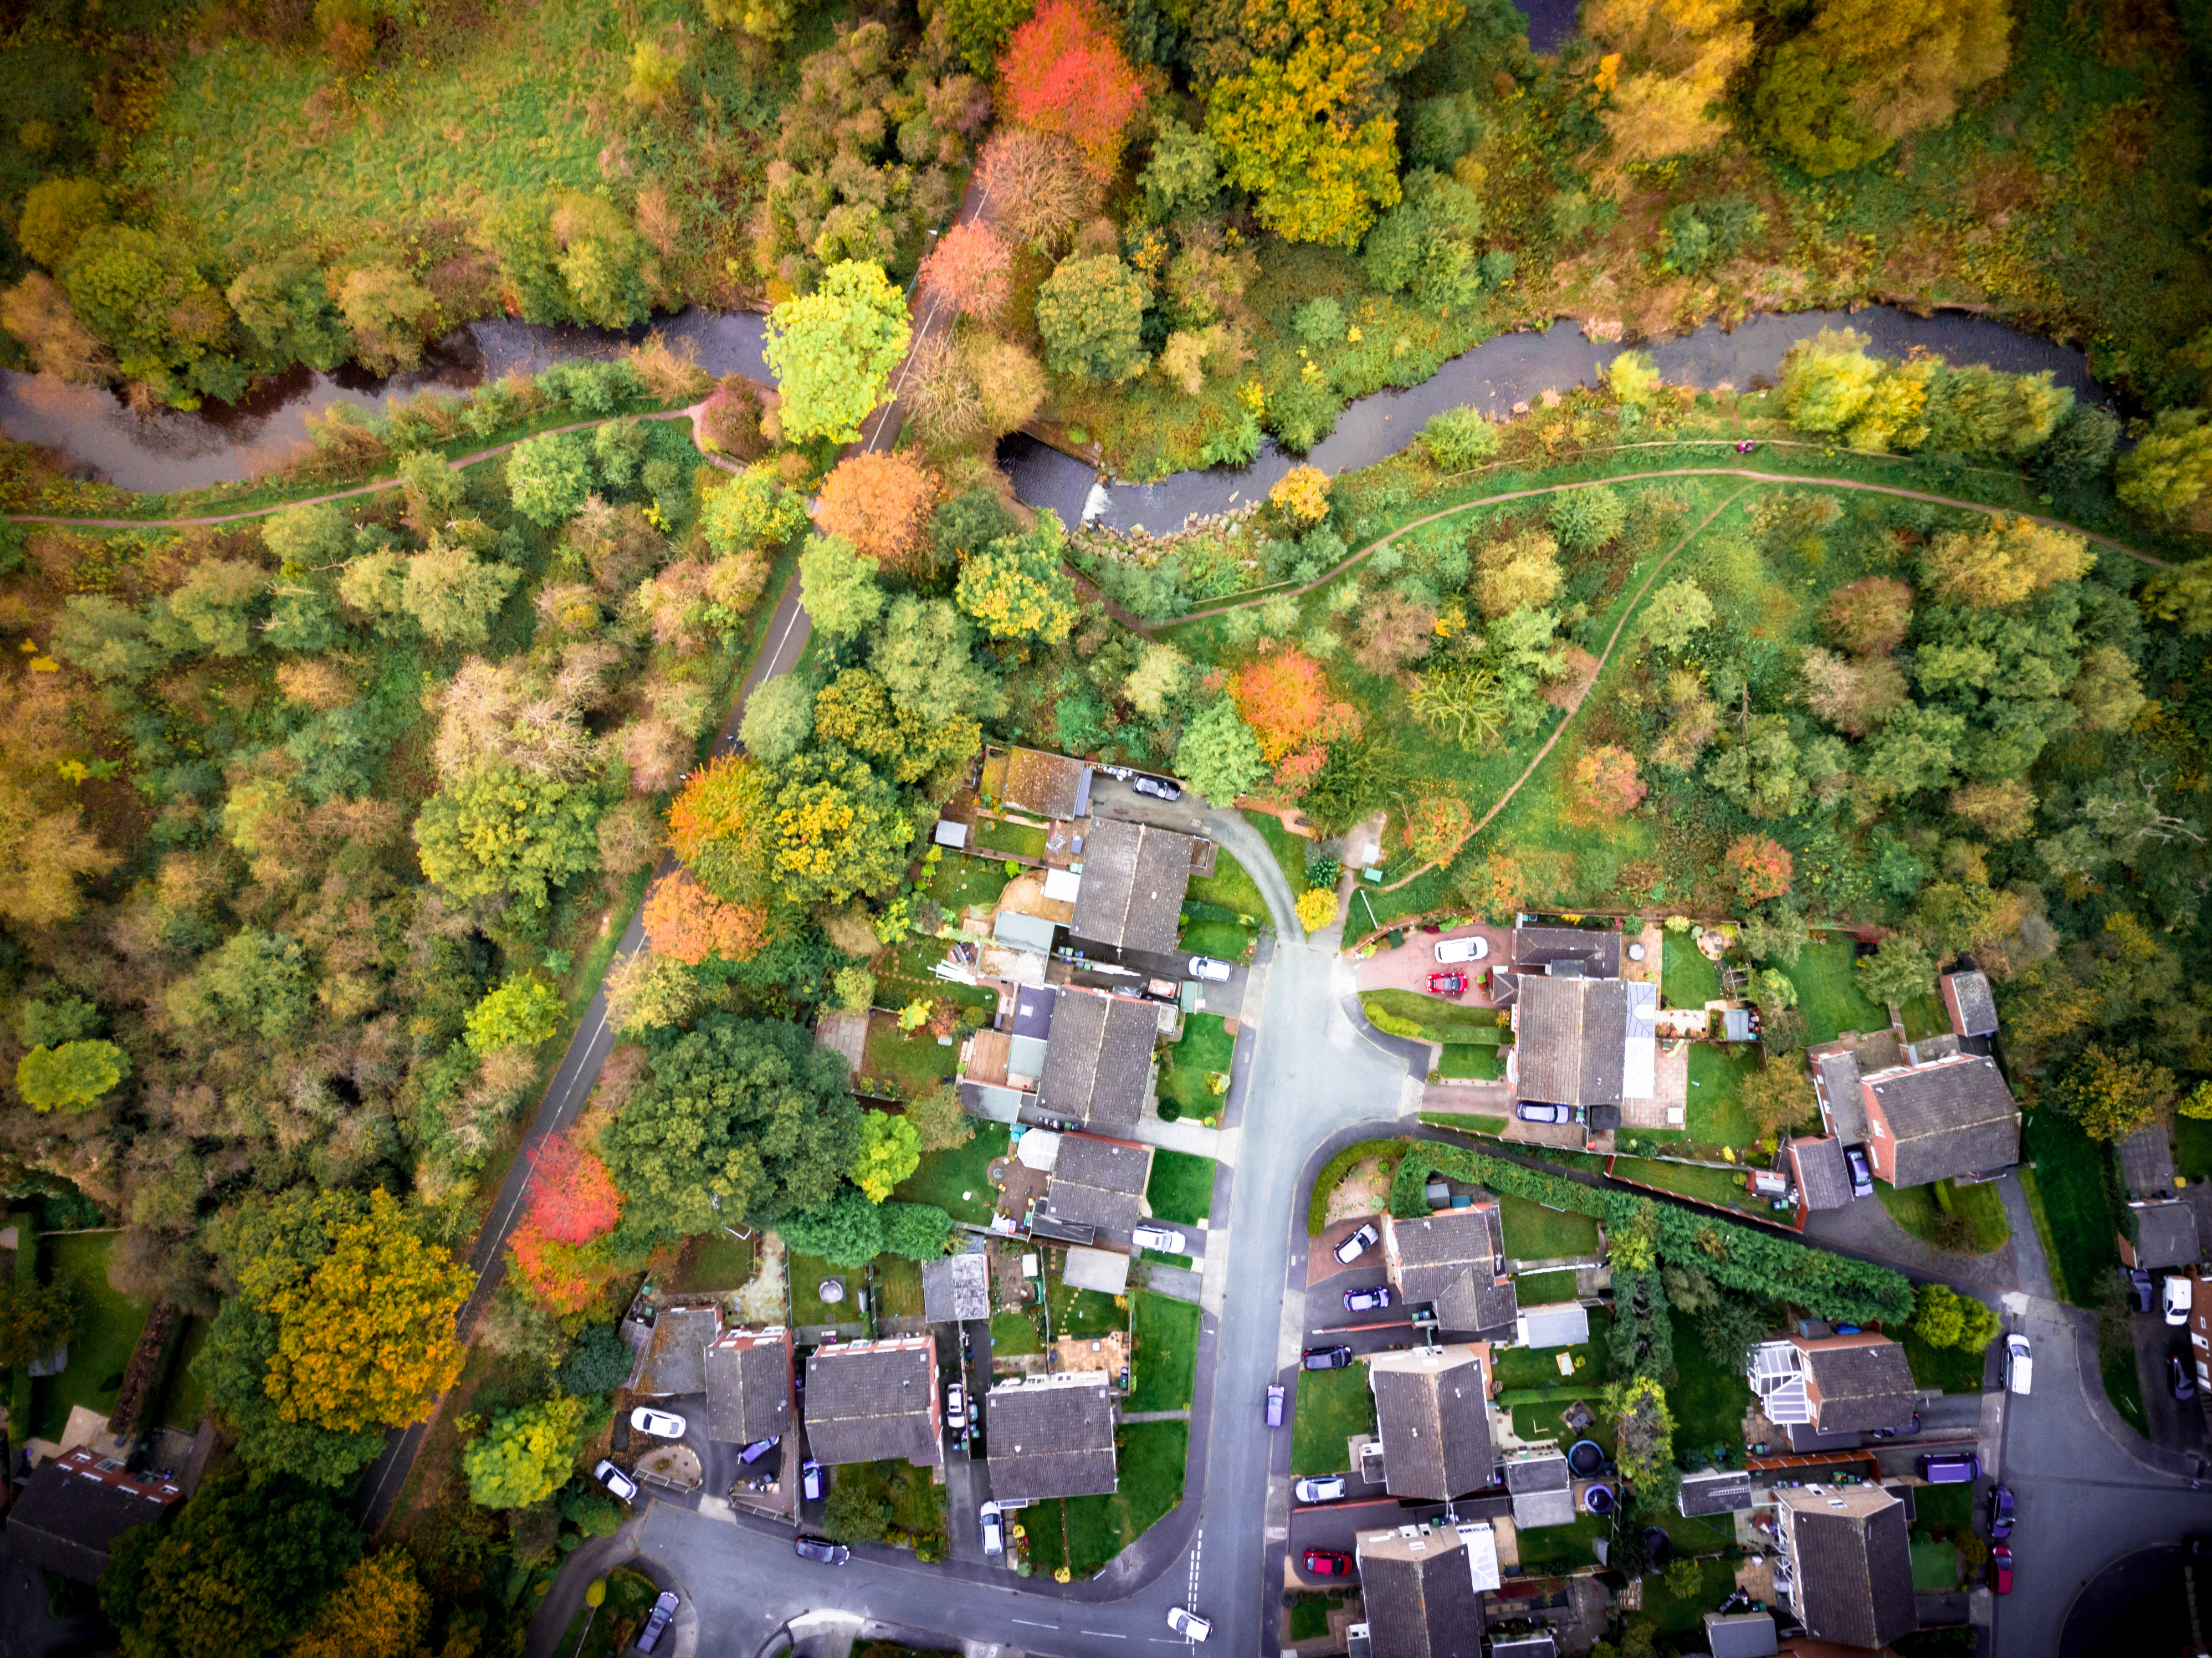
(1951, 1120)
(875, 1401)
(1433, 1414)
(1454, 1259)
(1847, 1566)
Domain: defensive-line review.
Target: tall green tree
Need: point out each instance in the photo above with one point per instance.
(833, 350)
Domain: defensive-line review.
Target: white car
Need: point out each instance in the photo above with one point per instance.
(994, 1533)
(1325, 1490)
(956, 1408)
(2177, 1300)
(1161, 1238)
(661, 1424)
(618, 1483)
(2019, 1363)
(1462, 949)
(1188, 1625)
(1206, 968)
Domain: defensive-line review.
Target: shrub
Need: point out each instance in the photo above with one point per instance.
(1458, 438)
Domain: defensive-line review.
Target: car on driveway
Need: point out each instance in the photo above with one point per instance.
(661, 1424)
(1158, 788)
(2177, 1300)
(1447, 984)
(615, 1481)
(1531, 1111)
(2001, 1570)
(2184, 1385)
(994, 1533)
(1165, 1239)
(2000, 1511)
(1950, 1467)
(956, 1408)
(1462, 950)
(1367, 1301)
(1274, 1404)
(656, 1625)
(1358, 1243)
(822, 1551)
(1325, 1358)
(1188, 1625)
(2019, 1364)
(1325, 1490)
(758, 1449)
(1208, 968)
(1855, 1159)
(810, 1480)
(1327, 1563)
(2146, 1294)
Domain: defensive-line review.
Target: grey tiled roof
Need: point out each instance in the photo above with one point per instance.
(1853, 1565)
(1421, 1603)
(1947, 1120)
(868, 1403)
(1974, 1011)
(2166, 1233)
(1476, 1302)
(1857, 1384)
(1051, 1439)
(1741, 1635)
(2147, 1162)
(1425, 1254)
(1837, 1070)
(1110, 1164)
(675, 1362)
(1543, 1491)
(1822, 1179)
(956, 1289)
(1111, 1216)
(1433, 1422)
(1098, 1059)
(1571, 1035)
(1538, 947)
(1718, 1491)
(1133, 879)
(748, 1387)
(66, 1522)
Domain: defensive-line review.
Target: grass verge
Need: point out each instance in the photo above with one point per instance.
(1970, 1219)
(1166, 1353)
(1181, 1190)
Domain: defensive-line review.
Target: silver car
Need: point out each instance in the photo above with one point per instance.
(1212, 971)
(1320, 1491)
(994, 1532)
(620, 1483)
(1188, 1625)
(1162, 1238)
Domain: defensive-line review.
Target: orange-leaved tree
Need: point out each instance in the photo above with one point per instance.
(1605, 782)
(686, 921)
(720, 826)
(970, 270)
(880, 503)
(1760, 867)
(380, 1610)
(1437, 827)
(1286, 700)
(1064, 72)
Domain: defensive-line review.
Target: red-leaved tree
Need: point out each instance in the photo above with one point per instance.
(970, 270)
(1760, 867)
(1605, 782)
(1064, 72)
(559, 1251)
(880, 503)
(1287, 701)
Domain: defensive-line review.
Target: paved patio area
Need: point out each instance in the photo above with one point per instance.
(1669, 1106)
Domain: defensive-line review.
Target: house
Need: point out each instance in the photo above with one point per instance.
(1431, 1410)
(2200, 1332)
(74, 1508)
(874, 1401)
(1949, 1120)
(1043, 785)
(1584, 1041)
(749, 1385)
(1966, 998)
(1717, 1491)
(1541, 1489)
(1740, 1634)
(1134, 876)
(2164, 1235)
(1547, 949)
(1097, 1056)
(1846, 1569)
(1452, 1259)
(956, 1289)
(1816, 1167)
(1050, 1435)
(1833, 1384)
(1095, 1192)
(676, 1356)
(1423, 1588)
(1835, 1086)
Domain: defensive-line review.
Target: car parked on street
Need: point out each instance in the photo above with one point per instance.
(1325, 1358)
(1325, 1488)
(2184, 1385)
(1327, 1563)
(656, 1624)
(1358, 1243)
(620, 1483)
(1274, 1404)
(2000, 1511)
(1367, 1301)
(1462, 949)
(661, 1424)
(821, 1550)
(1447, 984)
(1188, 1625)
(2018, 1363)
(2177, 1300)
(994, 1532)
(1165, 1239)
(1855, 1159)
(810, 1480)
(1210, 970)
(1531, 1111)
(2001, 1570)
(2145, 1293)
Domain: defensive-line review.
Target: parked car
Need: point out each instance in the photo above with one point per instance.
(615, 1481)
(956, 1408)
(758, 1449)
(2000, 1511)
(661, 1424)
(656, 1624)
(2020, 1364)
(1855, 1159)
(1213, 972)
(2001, 1568)
(1164, 1238)
(2177, 1300)
(2139, 1281)
(1188, 1625)
(1530, 1111)
(1462, 949)
(1327, 1563)
(994, 1531)
(1327, 1488)
(810, 1480)
(821, 1550)
(1274, 1404)
(1325, 1358)
(1367, 1301)
(1448, 984)
(1905, 1432)
(1950, 1467)
(2184, 1385)
(1158, 788)
(1358, 1243)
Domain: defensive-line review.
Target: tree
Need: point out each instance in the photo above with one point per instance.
(2079, 447)
(56, 213)
(749, 1113)
(1676, 614)
(380, 1610)
(1436, 827)
(1777, 934)
(1459, 438)
(1586, 519)
(1732, 1326)
(1943, 1318)
(1757, 866)
(1316, 908)
(2111, 1095)
(833, 349)
(1672, 61)
(840, 831)
(686, 923)
(2010, 560)
(72, 1078)
(854, 1513)
(916, 1231)
(145, 296)
(980, 27)
(527, 1454)
(891, 1150)
(285, 303)
(778, 719)
(548, 478)
(572, 1196)
(506, 831)
(211, 610)
(1218, 754)
(1287, 701)
(646, 992)
(1463, 700)
(450, 594)
(1606, 784)
(37, 1320)
(386, 308)
(253, 981)
(1183, 175)
(37, 312)
(969, 272)
(925, 659)
(1064, 72)
(520, 1012)
(940, 1123)
(2167, 473)
(880, 504)
(1090, 313)
(753, 510)
(1157, 680)
(1869, 616)
(1853, 695)
(1898, 970)
(837, 585)
(1036, 184)
(1015, 588)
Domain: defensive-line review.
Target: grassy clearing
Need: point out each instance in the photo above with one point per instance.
(959, 882)
(1676, 1614)
(1543, 1419)
(1714, 1115)
(1559, 1547)
(1014, 1333)
(1309, 1614)
(958, 1180)
(1290, 849)
(1687, 979)
(1151, 1457)
(1332, 1405)
(1078, 1312)
(1954, 1369)
(1467, 1061)
(912, 1063)
(1967, 1218)
(1542, 1289)
(102, 1347)
(1535, 1233)
(1181, 1190)
(1166, 1353)
(1230, 887)
(898, 1287)
(1942, 1507)
(1207, 1046)
(713, 1261)
(1709, 1400)
(1828, 992)
(807, 1273)
(2073, 1175)
(1539, 1367)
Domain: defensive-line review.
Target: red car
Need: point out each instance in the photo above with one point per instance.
(2001, 1568)
(1448, 984)
(1327, 1563)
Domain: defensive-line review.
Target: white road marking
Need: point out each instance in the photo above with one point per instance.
(1033, 1624)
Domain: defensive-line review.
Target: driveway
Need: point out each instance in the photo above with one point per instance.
(1409, 967)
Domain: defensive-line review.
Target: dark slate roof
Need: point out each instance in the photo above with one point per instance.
(1433, 1422)
(1098, 1059)
(1110, 1164)
(1853, 1565)
(867, 1403)
(1421, 1602)
(73, 1510)
(1571, 1035)
(1426, 1254)
(1598, 954)
(1476, 1302)
(748, 1387)
(956, 1289)
(2166, 1233)
(1741, 1635)
(1974, 1011)
(1716, 1492)
(1822, 1179)
(1111, 1217)
(1542, 1490)
(1857, 1383)
(1051, 1438)
(2147, 1162)
(1837, 1070)
(1048, 784)
(1947, 1120)
(675, 1362)
(1134, 876)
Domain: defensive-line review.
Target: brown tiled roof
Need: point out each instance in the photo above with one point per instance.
(748, 1386)
(1598, 952)
(1852, 1561)
(1571, 1038)
(1113, 1165)
(870, 1402)
(1952, 1118)
(1098, 1058)
(1425, 1254)
(1857, 1382)
(1134, 876)
(1420, 1595)
(1434, 1424)
(1045, 784)
(1051, 1437)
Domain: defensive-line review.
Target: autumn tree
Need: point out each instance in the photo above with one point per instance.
(387, 309)
(1436, 827)
(1777, 1097)
(833, 349)
(940, 1123)
(687, 923)
(879, 503)
(520, 1012)
(1064, 72)
(1015, 588)
(2168, 473)
(71, 1077)
(1218, 754)
(1676, 614)
(1606, 784)
(1286, 700)
(2011, 560)
(558, 1250)
(1853, 695)
(1090, 313)
(1757, 867)
(378, 1609)
(1869, 616)
(2111, 1095)
(527, 1454)
(969, 272)
(1036, 186)
(1667, 71)
(2003, 810)
(721, 825)
(840, 830)
(506, 831)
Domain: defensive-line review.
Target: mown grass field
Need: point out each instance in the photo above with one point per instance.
(1535, 1233)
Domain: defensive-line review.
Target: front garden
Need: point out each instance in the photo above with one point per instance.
(1331, 1407)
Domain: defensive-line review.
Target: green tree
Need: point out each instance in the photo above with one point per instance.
(833, 349)
(434, 492)
(1090, 314)
(307, 537)
(212, 610)
(2167, 473)
(2111, 1095)
(506, 830)
(855, 1513)
(389, 313)
(1732, 1326)
(56, 213)
(846, 1230)
(837, 584)
(1183, 176)
(520, 1012)
(253, 981)
(927, 662)
(36, 1318)
(939, 1121)
(143, 295)
(106, 638)
(72, 1077)
(891, 1150)
(233, 1366)
(1220, 755)
(452, 593)
(527, 1454)
(1900, 969)
(752, 510)
(778, 719)
(1676, 614)
(2198, 1103)
(548, 476)
(916, 1231)
(285, 303)
(1584, 519)
(841, 832)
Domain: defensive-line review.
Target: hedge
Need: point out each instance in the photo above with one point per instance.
(1391, 1024)
(1336, 1169)
(1830, 1286)
(27, 1273)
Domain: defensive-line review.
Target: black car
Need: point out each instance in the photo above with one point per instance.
(2184, 1386)
(2000, 1511)
(1158, 788)
(1325, 1358)
(821, 1550)
(656, 1625)
(2145, 1295)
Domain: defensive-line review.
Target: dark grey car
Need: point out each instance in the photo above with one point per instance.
(656, 1625)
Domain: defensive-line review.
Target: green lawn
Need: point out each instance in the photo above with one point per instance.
(1942, 1507)
(1535, 1233)
(1684, 1614)
(1954, 1369)
(1018, 838)
(2192, 1148)
(2074, 1175)
(1924, 1015)
(1181, 1190)
(1709, 1401)
(1332, 1406)
(1466, 1059)
(1563, 1546)
(917, 1507)
(1225, 941)
(1539, 1367)
(1151, 1460)
(1206, 1045)
(1078, 1312)
(1970, 1218)
(1166, 1353)
(1541, 1419)
(898, 1287)
(807, 1273)
(2123, 1376)
(1687, 979)
(1290, 849)
(1828, 992)
(1935, 1565)
(959, 880)
(1013, 1333)
(713, 1261)
(948, 1178)
(1723, 1187)
(1715, 1112)
(1230, 887)
(102, 1346)
(184, 1400)
(1439, 1021)
(1542, 1289)
(1309, 1613)
(913, 1064)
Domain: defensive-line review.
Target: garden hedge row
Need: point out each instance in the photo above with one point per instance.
(1391, 1024)
(1336, 1169)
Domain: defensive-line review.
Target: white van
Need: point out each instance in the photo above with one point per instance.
(2020, 1364)
(2176, 1301)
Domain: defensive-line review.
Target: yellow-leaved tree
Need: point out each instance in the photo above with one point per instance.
(1670, 64)
(380, 1610)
